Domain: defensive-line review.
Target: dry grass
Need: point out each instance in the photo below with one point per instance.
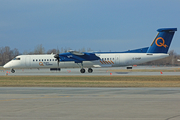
(90, 81)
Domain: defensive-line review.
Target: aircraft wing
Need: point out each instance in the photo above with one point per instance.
(77, 57)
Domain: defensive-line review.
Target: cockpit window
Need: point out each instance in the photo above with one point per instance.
(16, 59)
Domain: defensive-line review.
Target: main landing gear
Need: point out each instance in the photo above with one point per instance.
(82, 70)
(90, 70)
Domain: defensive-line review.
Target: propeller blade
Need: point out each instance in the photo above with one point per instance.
(57, 57)
(58, 62)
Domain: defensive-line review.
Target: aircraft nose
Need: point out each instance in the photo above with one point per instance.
(7, 65)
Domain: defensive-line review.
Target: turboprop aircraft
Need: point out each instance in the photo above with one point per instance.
(73, 59)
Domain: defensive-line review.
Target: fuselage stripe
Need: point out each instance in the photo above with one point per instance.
(106, 62)
(101, 62)
(109, 62)
(112, 62)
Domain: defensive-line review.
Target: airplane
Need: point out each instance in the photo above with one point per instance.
(73, 59)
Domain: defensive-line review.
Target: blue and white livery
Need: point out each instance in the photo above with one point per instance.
(74, 59)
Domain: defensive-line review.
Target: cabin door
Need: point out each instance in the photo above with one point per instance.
(117, 59)
(28, 61)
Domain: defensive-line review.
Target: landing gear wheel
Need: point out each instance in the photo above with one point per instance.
(12, 70)
(82, 70)
(90, 70)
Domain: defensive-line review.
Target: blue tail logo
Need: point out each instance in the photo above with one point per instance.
(160, 42)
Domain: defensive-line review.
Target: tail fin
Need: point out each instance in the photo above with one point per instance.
(162, 41)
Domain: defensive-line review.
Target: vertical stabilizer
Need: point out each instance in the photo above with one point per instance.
(162, 41)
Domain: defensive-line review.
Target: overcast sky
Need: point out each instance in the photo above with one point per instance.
(106, 25)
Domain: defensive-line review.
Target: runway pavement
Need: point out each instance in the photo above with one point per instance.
(22, 103)
(97, 71)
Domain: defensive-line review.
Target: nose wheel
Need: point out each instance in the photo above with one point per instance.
(12, 70)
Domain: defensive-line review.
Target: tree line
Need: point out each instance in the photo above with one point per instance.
(7, 54)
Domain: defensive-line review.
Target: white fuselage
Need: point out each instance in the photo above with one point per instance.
(107, 60)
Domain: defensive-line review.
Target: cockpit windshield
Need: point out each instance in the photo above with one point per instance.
(16, 59)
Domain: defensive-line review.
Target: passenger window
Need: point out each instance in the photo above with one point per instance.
(50, 60)
(36, 60)
(107, 58)
(33, 60)
(104, 58)
(47, 59)
(39, 60)
(44, 59)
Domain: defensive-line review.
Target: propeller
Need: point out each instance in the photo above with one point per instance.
(57, 57)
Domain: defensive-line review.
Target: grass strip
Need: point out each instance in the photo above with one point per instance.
(90, 81)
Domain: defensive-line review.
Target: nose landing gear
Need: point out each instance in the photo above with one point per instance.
(12, 70)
